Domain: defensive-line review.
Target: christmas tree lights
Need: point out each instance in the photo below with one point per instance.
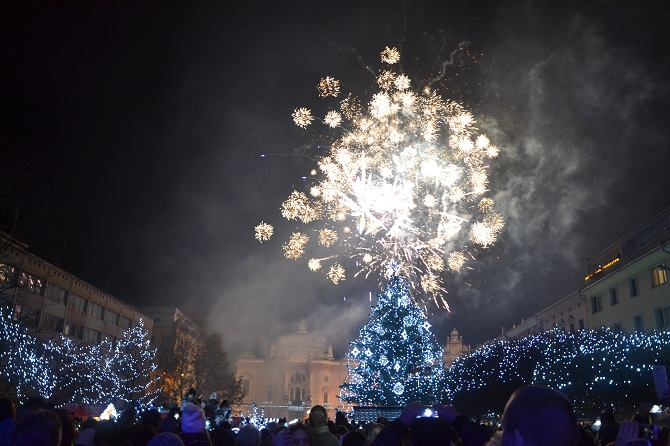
(595, 369)
(20, 364)
(395, 360)
(132, 366)
(64, 371)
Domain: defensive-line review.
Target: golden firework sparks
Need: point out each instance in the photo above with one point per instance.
(336, 273)
(456, 261)
(328, 86)
(263, 231)
(333, 119)
(403, 180)
(390, 55)
(327, 237)
(302, 117)
(314, 264)
(295, 247)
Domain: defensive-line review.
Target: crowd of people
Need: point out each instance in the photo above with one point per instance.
(533, 416)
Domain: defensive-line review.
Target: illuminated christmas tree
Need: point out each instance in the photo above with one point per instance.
(396, 359)
(132, 366)
(21, 371)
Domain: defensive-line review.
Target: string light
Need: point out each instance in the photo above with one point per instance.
(62, 370)
(397, 334)
(595, 369)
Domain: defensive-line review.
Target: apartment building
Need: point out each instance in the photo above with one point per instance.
(625, 288)
(51, 301)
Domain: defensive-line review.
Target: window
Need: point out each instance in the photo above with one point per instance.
(581, 324)
(96, 310)
(616, 327)
(637, 322)
(55, 293)
(662, 318)
(325, 397)
(92, 336)
(297, 394)
(596, 303)
(7, 273)
(659, 275)
(298, 377)
(112, 317)
(633, 286)
(77, 302)
(26, 315)
(245, 386)
(613, 297)
(125, 323)
(31, 283)
(53, 323)
(74, 330)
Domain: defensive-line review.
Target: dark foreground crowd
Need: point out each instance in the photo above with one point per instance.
(533, 416)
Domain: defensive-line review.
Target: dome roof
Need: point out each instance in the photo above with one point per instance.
(308, 344)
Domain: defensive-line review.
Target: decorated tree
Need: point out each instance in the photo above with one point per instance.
(79, 372)
(395, 359)
(595, 369)
(22, 372)
(132, 365)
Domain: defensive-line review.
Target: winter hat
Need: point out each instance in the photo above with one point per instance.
(192, 419)
(166, 439)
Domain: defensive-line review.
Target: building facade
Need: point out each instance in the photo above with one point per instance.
(176, 336)
(454, 348)
(568, 314)
(625, 288)
(50, 301)
(627, 283)
(299, 373)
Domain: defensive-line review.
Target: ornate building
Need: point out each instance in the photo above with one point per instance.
(299, 373)
(454, 348)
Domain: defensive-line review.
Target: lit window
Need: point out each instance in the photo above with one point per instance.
(7, 273)
(659, 275)
(32, 283)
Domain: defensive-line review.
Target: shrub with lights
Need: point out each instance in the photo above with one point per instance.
(595, 369)
(395, 360)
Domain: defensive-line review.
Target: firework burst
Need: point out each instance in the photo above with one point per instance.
(402, 187)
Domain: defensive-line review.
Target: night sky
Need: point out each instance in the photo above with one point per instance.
(132, 132)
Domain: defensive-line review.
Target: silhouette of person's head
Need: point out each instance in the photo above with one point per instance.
(539, 416)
